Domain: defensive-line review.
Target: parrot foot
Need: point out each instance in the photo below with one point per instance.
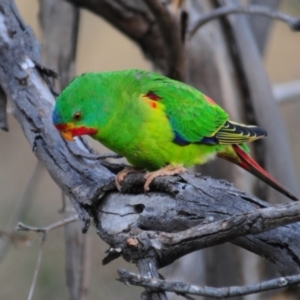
(122, 174)
(166, 171)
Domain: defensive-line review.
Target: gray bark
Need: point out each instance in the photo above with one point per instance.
(60, 22)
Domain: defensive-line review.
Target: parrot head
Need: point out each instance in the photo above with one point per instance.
(81, 109)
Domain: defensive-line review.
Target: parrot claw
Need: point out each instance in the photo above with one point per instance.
(166, 171)
(122, 174)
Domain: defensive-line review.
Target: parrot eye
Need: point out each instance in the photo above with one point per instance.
(77, 116)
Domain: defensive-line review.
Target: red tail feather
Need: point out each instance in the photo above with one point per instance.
(250, 165)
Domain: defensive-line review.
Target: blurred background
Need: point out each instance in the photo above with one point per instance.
(100, 48)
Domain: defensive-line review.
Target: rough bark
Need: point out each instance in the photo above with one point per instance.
(60, 21)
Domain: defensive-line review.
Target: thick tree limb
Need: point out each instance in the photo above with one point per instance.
(136, 21)
(170, 31)
(149, 23)
(32, 100)
(206, 204)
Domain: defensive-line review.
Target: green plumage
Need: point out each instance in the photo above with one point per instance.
(151, 120)
(156, 123)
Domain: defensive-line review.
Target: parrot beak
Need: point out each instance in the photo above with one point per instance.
(65, 131)
(67, 134)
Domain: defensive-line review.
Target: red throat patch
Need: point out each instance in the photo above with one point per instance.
(83, 131)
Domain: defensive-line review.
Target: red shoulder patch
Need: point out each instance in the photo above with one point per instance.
(210, 100)
(151, 95)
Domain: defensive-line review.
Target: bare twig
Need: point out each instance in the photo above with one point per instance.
(37, 267)
(219, 293)
(44, 231)
(294, 23)
(22, 205)
(21, 227)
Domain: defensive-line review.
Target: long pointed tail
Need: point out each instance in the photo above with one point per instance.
(249, 164)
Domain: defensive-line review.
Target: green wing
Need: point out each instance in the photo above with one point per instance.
(193, 118)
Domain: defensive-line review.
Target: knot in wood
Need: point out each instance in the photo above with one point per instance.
(132, 242)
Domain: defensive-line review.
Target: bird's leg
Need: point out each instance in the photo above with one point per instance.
(122, 174)
(166, 171)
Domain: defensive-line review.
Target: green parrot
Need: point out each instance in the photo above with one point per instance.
(157, 123)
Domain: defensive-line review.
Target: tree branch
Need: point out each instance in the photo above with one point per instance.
(22, 206)
(206, 291)
(44, 230)
(21, 227)
(294, 23)
(136, 21)
(170, 31)
(148, 267)
(156, 221)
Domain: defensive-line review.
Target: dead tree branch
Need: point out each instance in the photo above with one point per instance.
(170, 31)
(294, 23)
(207, 291)
(44, 230)
(198, 218)
(21, 206)
(64, 222)
(136, 21)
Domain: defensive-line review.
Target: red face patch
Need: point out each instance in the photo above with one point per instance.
(83, 131)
